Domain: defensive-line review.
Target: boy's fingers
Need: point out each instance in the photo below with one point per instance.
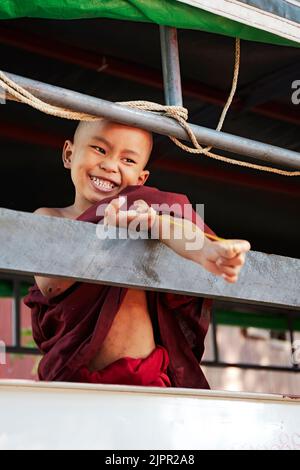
(230, 279)
(232, 248)
(131, 214)
(229, 270)
(148, 216)
(112, 210)
(237, 260)
(140, 202)
(124, 217)
(145, 219)
(117, 203)
(141, 206)
(114, 216)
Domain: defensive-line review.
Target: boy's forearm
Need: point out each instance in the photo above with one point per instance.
(182, 236)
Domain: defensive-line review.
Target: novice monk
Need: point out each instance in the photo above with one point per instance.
(95, 333)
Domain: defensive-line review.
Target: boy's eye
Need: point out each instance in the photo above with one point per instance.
(129, 160)
(99, 149)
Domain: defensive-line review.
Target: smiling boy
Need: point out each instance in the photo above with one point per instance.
(95, 333)
(115, 153)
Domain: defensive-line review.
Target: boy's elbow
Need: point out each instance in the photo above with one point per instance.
(46, 287)
(51, 287)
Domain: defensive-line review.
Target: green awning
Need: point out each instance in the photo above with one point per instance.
(166, 12)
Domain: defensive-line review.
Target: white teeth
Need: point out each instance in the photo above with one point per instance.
(102, 183)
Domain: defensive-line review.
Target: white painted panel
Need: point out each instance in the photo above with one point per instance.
(257, 18)
(82, 416)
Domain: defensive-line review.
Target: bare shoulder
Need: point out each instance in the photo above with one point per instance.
(55, 212)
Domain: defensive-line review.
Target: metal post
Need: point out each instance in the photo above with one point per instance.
(16, 315)
(292, 339)
(156, 123)
(214, 335)
(170, 65)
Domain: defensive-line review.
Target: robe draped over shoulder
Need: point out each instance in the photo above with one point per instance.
(70, 328)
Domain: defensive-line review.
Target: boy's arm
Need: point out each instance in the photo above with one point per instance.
(51, 286)
(224, 258)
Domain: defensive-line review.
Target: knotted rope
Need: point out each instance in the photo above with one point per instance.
(178, 113)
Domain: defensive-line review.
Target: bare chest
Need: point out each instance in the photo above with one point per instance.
(131, 334)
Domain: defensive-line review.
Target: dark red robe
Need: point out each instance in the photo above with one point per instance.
(69, 329)
(151, 371)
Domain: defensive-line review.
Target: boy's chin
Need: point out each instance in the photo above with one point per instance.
(102, 195)
(107, 194)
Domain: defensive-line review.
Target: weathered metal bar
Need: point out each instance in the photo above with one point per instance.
(170, 65)
(156, 123)
(51, 246)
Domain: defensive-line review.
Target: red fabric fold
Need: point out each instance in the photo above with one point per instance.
(151, 371)
(70, 328)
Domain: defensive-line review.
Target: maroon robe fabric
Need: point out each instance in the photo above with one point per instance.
(148, 372)
(70, 328)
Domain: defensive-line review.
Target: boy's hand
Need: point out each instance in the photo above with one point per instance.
(141, 214)
(225, 257)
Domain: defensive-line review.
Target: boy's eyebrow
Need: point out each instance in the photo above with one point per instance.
(133, 152)
(106, 142)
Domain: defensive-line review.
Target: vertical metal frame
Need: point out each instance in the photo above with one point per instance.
(170, 66)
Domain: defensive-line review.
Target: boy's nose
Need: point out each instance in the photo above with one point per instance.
(109, 165)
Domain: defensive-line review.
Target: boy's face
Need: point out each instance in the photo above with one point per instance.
(106, 157)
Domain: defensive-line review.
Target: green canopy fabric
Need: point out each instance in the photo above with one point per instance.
(166, 12)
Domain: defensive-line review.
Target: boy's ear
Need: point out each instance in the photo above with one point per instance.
(143, 177)
(67, 153)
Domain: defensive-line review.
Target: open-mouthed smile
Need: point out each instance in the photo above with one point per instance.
(102, 184)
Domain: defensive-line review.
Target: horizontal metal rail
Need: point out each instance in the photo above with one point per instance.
(157, 123)
(246, 365)
(23, 350)
(34, 244)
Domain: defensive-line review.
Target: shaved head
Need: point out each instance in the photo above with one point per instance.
(144, 137)
(106, 157)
